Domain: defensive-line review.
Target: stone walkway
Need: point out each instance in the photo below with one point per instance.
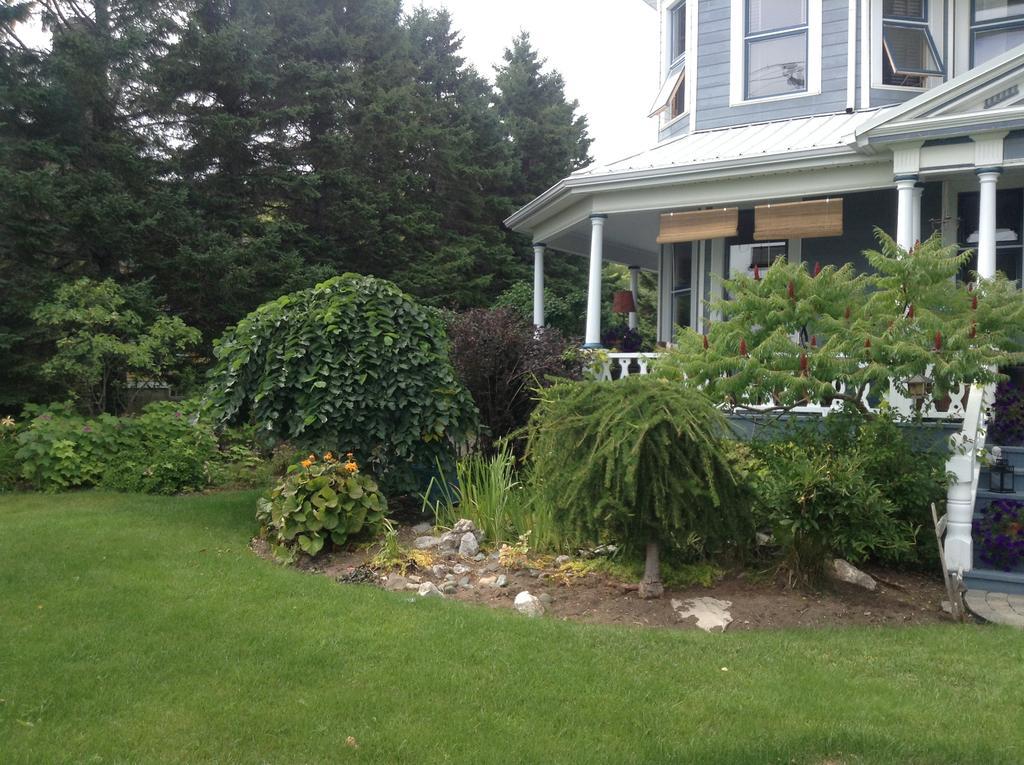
(997, 607)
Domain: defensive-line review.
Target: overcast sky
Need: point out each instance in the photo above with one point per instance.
(607, 51)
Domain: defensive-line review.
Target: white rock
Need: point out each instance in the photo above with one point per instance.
(463, 526)
(488, 581)
(527, 604)
(846, 572)
(561, 560)
(711, 614)
(423, 528)
(415, 579)
(449, 542)
(468, 547)
(426, 543)
(460, 568)
(429, 590)
(439, 569)
(501, 581)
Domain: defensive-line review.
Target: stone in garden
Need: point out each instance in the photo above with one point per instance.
(412, 586)
(561, 560)
(488, 581)
(479, 557)
(712, 614)
(492, 566)
(449, 588)
(464, 582)
(423, 528)
(439, 569)
(460, 568)
(527, 604)
(463, 526)
(846, 572)
(468, 547)
(426, 543)
(501, 581)
(429, 590)
(764, 540)
(450, 542)
(546, 599)
(395, 583)
(414, 578)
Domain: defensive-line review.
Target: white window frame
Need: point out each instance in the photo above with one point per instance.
(936, 25)
(1013, 22)
(684, 67)
(670, 26)
(738, 55)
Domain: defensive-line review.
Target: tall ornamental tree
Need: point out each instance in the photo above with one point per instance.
(350, 365)
(789, 335)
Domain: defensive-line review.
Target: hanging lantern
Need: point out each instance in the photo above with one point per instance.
(1000, 473)
(623, 302)
(919, 387)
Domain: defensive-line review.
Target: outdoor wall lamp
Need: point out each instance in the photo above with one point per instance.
(1000, 473)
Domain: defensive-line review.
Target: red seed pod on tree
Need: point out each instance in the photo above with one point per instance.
(791, 290)
(817, 268)
(938, 341)
(847, 314)
(803, 364)
(743, 347)
(974, 303)
(974, 330)
(814, 341)
(867, 343)
(757, 273)
(910, 311)
(705, 342)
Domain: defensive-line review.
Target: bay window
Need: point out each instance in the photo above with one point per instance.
(775, 48)
(996, 27)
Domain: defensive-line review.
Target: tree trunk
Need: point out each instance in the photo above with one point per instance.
(651, 586)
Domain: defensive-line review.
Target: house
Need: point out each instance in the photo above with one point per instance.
(792, 128)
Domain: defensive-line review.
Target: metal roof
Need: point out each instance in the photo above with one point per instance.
(746, 142)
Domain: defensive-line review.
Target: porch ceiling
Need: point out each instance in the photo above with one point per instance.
(628, 239)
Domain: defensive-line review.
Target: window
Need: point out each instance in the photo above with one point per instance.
(743, 257)
(679, 99)
(775, 47)
(682, 287)
(677, 32)
(909, 53)
(1009, 226)
(996, 27)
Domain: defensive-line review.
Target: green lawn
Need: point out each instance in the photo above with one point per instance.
(137, 629)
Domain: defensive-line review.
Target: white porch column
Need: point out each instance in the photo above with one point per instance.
(592, 339)
(905, 186)
(916, 212)
(634, 287)
(987, 179)
(538, 284)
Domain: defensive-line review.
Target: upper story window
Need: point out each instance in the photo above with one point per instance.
(775, 48)
(996, 27)
(910, 55)
(677, 33)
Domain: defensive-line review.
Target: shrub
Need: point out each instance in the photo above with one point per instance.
(643, 461)
(319, 502)
(1000, 535)
(352, 361)
(501, 359)
(160, 451)
(10, 467)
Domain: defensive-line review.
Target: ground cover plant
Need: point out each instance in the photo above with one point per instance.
(642, 462)
(154, 635)
(352, 364)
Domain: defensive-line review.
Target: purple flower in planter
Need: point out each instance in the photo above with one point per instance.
(1000, 535)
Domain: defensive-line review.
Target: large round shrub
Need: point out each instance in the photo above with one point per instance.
(350, 365)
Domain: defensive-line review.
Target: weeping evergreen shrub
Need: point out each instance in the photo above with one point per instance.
(644, 461)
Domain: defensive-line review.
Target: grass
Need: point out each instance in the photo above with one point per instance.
(142, 630)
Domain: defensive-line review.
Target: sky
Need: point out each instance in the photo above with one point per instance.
(607, 51)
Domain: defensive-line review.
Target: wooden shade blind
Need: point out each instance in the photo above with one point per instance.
(799, 220)
(699, 224)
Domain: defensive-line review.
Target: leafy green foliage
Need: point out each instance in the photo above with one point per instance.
(501, 359)
(321, 501)
(10, 467)
(160, 451)
(352, 361)
(851, 487)
(637, 460)
(791, 335)
(103, 344)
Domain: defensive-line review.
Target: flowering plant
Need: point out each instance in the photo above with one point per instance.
(319, 500)
(1007, 427)
(1000, 532)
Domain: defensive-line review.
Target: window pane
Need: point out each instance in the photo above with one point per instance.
(904, 9)
(909, 50)
(765, 15)
(990, 44)
(777, 66)
(678, 22)
(679, 101)
(992, 10)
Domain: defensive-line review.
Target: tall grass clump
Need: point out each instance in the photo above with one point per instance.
(643, 461)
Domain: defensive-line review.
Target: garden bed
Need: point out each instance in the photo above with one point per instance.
(570, 592)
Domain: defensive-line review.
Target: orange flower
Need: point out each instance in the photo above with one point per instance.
(351, 467)
(306, 463)
(329, 457)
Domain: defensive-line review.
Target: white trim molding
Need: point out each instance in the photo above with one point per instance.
(737, 55)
